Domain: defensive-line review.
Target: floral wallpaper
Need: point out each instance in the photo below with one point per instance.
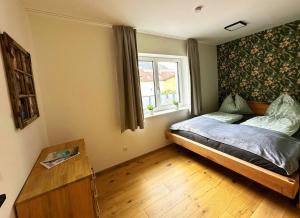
(261, 66)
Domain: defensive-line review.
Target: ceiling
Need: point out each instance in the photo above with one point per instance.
(176, 18)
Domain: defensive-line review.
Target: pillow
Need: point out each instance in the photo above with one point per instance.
(242, 106)
(239, 106)
(281, 124)
(228, 105)
(284, 106)
(224, 117)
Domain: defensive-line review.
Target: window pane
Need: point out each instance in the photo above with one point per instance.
(147, 83)
(168, 82)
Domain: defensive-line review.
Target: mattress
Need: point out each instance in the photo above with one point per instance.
(234, 151)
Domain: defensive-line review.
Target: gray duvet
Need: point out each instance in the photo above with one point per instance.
(278, 148)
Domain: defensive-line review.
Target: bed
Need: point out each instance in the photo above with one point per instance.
(262, 172)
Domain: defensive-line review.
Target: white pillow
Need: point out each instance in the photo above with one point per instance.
(284, 106)
(242, 105)
(280, 124)
(228, 105)
(235, 106)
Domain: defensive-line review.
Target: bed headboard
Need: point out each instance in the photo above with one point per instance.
(259, 108)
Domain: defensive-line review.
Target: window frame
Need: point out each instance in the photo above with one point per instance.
(155, 60)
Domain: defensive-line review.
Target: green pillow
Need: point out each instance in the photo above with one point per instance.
(228, 105)
(237, 106)
(242, 106)
(284, 106)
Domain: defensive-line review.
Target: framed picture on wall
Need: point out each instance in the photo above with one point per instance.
(20, 81)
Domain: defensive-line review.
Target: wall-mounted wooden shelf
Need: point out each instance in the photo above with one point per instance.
(20, 81)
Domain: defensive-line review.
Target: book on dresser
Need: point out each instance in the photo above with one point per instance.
(57, 157)
(66, 190)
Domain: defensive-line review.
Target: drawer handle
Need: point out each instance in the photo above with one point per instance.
(95, 190)
(97, 208)
(93, 174)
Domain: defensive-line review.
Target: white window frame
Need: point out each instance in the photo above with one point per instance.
(155, 60)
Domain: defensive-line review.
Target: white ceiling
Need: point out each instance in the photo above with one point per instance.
(176, 18)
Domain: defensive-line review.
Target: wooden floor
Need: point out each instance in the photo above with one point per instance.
(174, 182)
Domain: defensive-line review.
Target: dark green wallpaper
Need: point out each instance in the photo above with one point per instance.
(261, 66)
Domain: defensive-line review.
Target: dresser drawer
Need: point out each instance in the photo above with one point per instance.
(74, 200)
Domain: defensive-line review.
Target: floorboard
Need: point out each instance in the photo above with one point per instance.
(174, 182)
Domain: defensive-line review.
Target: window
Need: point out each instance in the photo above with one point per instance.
(160, 82)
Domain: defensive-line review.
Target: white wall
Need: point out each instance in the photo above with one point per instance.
(160, 45)
(18, 148)
(209, 77)
(78, 85)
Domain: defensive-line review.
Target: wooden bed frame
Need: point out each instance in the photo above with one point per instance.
(285, 185)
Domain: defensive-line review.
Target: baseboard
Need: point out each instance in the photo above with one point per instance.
(133, 159)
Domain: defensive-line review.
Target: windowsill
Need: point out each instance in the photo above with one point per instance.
(160, 113)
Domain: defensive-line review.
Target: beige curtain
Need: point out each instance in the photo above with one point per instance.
(131, 107)
(194, 65)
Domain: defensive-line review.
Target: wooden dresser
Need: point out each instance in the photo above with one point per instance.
(65, 191)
